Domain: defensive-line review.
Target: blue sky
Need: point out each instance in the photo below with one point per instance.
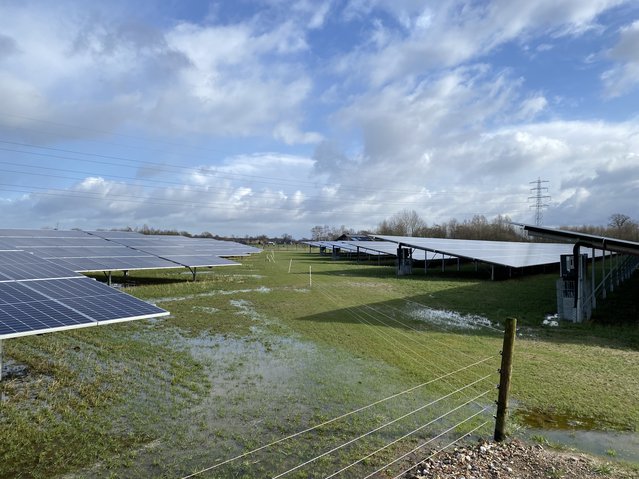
(251, 117)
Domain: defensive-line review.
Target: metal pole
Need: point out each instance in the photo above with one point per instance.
(0, 359)
(603, 274)
(592, 280)
(310, 276)
(504, 378)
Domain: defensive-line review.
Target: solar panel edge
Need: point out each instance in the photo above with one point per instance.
(163, 314)
(34, 332)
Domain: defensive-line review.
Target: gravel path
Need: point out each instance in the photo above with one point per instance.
(516, 460)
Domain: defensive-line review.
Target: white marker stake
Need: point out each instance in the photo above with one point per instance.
(290, 263)
(310, 277)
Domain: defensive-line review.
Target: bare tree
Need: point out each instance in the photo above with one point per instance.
(403, 223)
(618, 220)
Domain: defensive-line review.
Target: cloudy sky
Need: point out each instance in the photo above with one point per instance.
(272, 116)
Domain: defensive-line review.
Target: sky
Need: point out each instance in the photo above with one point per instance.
(273, 116)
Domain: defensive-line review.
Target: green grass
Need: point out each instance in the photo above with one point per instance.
(252, 353)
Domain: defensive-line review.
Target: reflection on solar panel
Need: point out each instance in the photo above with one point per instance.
(503, 253)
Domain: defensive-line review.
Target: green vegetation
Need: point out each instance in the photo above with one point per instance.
(252, 353)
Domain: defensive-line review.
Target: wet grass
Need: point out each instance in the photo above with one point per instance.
(252, 353)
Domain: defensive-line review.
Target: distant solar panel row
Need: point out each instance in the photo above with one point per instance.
(503, 253)
(110, 251)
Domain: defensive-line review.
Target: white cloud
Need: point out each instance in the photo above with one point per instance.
(454, 32)
(624, 75)
(236, 79)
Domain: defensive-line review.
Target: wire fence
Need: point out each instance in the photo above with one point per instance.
(458, 407)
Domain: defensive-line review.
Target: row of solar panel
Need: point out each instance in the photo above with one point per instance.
(37, 296)
(503, 253)
(110, 251)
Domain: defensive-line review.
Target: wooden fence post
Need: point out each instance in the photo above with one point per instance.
(504, 378)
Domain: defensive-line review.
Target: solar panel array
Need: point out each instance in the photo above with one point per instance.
(37, 296)
(375, 248)
(502, 253)
(190, 252)
(122, 250)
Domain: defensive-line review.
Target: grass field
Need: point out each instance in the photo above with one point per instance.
(254, 353)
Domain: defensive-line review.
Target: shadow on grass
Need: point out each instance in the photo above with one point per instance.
(614, 325)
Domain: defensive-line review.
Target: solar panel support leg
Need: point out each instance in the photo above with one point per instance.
(109, 278)
(193, 271)
(0, 359)
(492, 272)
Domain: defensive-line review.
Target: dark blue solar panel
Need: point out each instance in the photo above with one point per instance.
(95, 299)
(20, 265)
(24, 311)
(32, 307)
(38, 317)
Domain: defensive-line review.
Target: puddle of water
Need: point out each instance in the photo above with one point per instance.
(587, 434)
(623, 445)
(539, 419)
(206, 309)
(448, 319)
(219, 292)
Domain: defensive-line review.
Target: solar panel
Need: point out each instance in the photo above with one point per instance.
(36, 307)
(24, 311)
(194, 261)
(42, 233)
(20, 265)
(96, 300)
(504, 253)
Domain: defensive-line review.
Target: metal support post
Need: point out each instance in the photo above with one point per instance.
(603, 275)
(592, 280)
(0, 359)
(109, 278)
(505, 373)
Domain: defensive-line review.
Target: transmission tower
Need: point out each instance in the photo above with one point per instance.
(540, 199)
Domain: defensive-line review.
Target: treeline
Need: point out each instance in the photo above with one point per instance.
(619, 226)
(499, 228)
(247, 239)
(409, 223)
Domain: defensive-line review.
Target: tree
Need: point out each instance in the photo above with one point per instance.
(618, 220)
(403, 223)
